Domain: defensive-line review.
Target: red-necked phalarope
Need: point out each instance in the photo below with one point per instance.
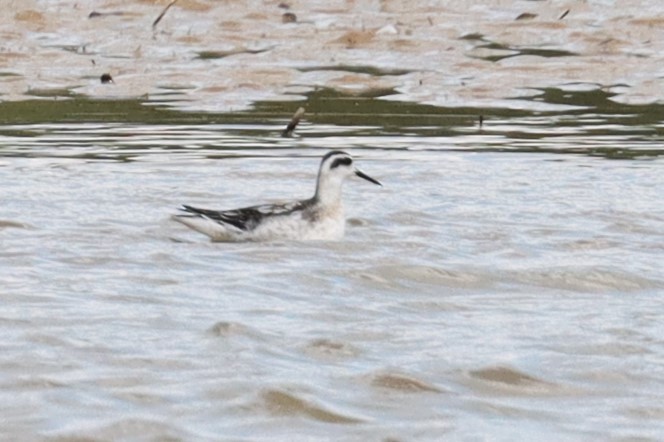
(320, 217)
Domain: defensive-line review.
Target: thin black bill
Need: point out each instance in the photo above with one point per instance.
(366, 177)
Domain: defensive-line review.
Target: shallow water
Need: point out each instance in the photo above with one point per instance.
(491, 289)
(224, 56)
(504, 284)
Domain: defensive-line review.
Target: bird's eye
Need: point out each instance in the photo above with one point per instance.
(346, 161)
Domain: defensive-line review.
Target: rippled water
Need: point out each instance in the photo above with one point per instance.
(505, 283)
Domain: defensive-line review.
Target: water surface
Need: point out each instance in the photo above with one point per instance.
(504, 284)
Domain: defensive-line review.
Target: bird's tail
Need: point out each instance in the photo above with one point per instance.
(206, 226)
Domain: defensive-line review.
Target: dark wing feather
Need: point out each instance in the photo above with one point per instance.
(243, 219)
(247, 218)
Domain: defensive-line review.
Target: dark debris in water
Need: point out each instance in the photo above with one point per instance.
(526, 16)
(95, 14)
(292, 124)
(288, 17)
(163, 13)
(472, 36)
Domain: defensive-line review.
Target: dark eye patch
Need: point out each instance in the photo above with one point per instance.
(339, 161)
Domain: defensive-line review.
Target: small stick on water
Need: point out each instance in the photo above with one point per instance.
(564, 14)
(288, 132)
(158, 19)
(95, 14)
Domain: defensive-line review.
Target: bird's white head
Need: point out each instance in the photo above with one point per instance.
(335, 167)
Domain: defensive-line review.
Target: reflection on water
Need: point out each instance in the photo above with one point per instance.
(596, 126)
(505, 281)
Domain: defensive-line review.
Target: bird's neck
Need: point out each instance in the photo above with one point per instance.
(328, 192)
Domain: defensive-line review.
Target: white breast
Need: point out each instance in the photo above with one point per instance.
(325, 225)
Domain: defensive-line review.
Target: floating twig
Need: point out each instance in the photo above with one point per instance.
(526, 16)
(288, 132)
(95, 14)
(564, 14)
(158, 19)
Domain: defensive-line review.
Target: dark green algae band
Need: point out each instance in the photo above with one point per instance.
(372, 116)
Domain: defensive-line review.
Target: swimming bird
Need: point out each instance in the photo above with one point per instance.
(320, 217)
